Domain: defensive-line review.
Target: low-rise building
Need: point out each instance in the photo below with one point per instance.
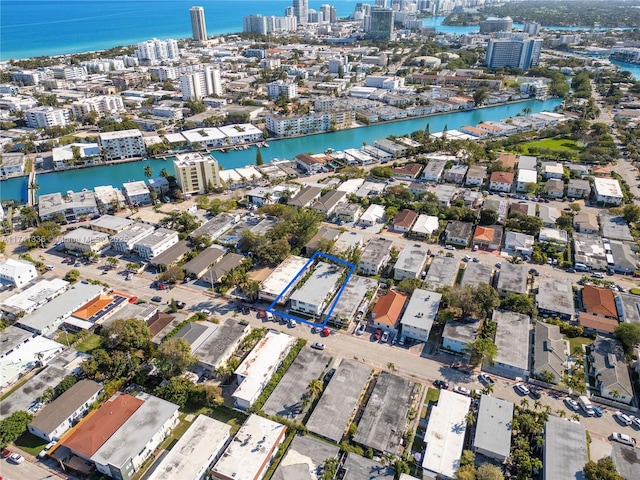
(425, 226)
(109, 224)
(476, 273)
(459, 233)
(493, 428)
(318, 290)
(352, 301)
(122, 144)
(457, 335)
(305, 459)
(442, 271)
(615, 228)
(17, 272)
(607, 365)
(411, 262)
(156, 243)
(171, 255)
(526, 178)
(607, 191)
(555, 298)
(488, 238)
(215, 227)
(199, 265)
(388, 310)
(255, 372)
(306, 197)
(512, 339)
(554, 188)
(549, 215)
(348, 212)
(501, 182)
(108, 198)
(476, 176)
(578, 188)
(373, 215)
(252, 450)
(374, 256)
(629, 308)
(550, 353)
(85, 241)
(215, 274)
(565, 449)
(56, 418)
(419, 314)
(589, 250)
(404, 220)
(278, 280)
(348, 240)
(587, 223)
(73, 206)
(434, 170)
(512, 278)
(517, 244)
(192, 455)
(125, 240)
(12, 164)
(445, 434)
(137, 193)
(33, 297)
(456, 174)
(328, 203)
(558, 238)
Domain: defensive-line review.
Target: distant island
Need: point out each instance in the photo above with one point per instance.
(464, 19)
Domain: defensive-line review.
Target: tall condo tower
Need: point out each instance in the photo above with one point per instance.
(198, 24)
(301, 11)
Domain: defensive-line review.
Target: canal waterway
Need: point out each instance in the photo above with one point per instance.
(16, 188)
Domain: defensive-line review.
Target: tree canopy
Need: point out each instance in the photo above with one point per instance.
(126, 334)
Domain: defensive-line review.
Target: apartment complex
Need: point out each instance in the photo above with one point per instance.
(122, 144)
(196, 173)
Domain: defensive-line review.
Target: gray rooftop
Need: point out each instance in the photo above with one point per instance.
(376, 250)
(132, 310)
(384, 419)
(512, 338)
(214, 227)
(493, 428)
(322, 281)
(412, 258)
(111, 222)
(630, 307)
(615, 228)
(158, 236)
(12, 337)
(476, 273)
(360, 468)
(196, 333)
(85, 236)
(464, 332)
(305, 459)
(62, 407)
(305, 196)
(217, 345)
(339, 400)
(512, 277)
(136, 432)
(556, 295)
(29, 392)
(132, 232)
(550, 350)
(325, 233)
(627, 461)
(442, 271)
(565, 449)
(204, 260)
(286, 399)
(171, 254)
(610, 365)
(421, 310)
(352, 296)
(220, 269)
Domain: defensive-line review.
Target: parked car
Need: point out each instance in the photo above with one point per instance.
(462, 390)
(571, 270)
(571, 403)
(318, 346)
(129, 276)
(133, 299)
(181, 305)
(441, 384)
(50, 267)
(269, 316)
(486, 379)
(16, 458)
(597, 275)
(466, 258)
(157, 298)
(623, 438)
(377, 334)
(361, 329)
(597, 410)
(449, 247)
(456, 365)
(384, 338)
(622, 418)
(521, 388)
(4, 452)
(293, 323)
(45, 450)
(535, 392)
(635, 421)
(475, 260)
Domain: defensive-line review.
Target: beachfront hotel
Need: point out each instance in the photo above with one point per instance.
(198, 24)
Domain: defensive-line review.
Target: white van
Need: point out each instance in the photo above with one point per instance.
(270, 316)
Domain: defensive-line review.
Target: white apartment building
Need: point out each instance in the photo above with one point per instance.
(280, 87)
(102, 104)
(200, 84)
(108, 197)
(298, 125)
(46, 117)
(608, 191)
(157, 50)
(125, 240)
(122, 144)
(196, 173)
(17, 272)
(156, 243)
(137, 193)
(65, 155)
(70, 74)
(12, 164)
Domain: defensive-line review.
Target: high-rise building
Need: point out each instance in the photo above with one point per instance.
(532, 28)
(301, 11)
(157, 50)
(198, 24)
(514, 52)
(381, 4)
(254, 24)
(46, 117)
(494, 24)
(199, 84)
(329, 14)
(196, 173)
(381, 29)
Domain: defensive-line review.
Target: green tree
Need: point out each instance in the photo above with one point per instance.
(112, 262)
(480, 96)
(13, 426)
(176, 390)
(330, 468)
(631, 213)
(28, 215)
(481, 349)
(259, 160)
(466, 472)
(468, 458)
(488, 216)
(408, 285)
(603, 469)
(164, 173)
(629, 335)
(148, 171)
(315, 387)
(486, 471)
(72, 276)
(519, 303)
(126, 334)
(173, 274)
(174, 357)
(65, 384)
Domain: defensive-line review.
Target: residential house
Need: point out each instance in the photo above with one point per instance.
(512, 278)
(625, 258)
(17, 272)
(459, 233)
(550, 353)
(419, 315)
(549, 215)
(306, 197)
(508, 160)
(374, 256)
(137, 193)
(404, 220)
(585, 222)
(56, 418)
(554, 188)
(410, 171)
(433, 171)
(156, 243)
(387, 311)
(578, 188)
(526, 179)
(445, 194)
(311, 164)
(615, 228)
(501, 182)
(559, 238)
(442, 272)
(159, 185)
(487, 238)
(518, 244)
(84, 240)
(523, 208)
(373, 215)
(552, 170)
(589, 250)
(607, 191)
(348, 212)
(492, 437)
(457, 335)
(198, 266)
(476, 175)
(555, 298)
(425, 226)
(608, 365)
(512, 339)
(328, 203)
(455, 174)
(528, 162)
(324, 233)
(565, 449)
(600, 313)
(411, 262)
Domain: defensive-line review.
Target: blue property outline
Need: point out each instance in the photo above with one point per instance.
(317, 254)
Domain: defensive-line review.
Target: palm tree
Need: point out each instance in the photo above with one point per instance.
(526, 111)
(391, 366)
(615, 394)
(470, 418)
(314, 388)
(547, 409)
(575, 417)
(148, 171)
(488, 389)
(164, 173)
(524, 403)
(537, 404)
(561, 413)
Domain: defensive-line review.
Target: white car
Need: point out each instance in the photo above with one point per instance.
(361, 329)
(635, 421)
(270, 316)
(572, 404)
(45, 450)
(522, 389)
(384, 338)
(16, 458)
(462, 390)
(623, 438)
(622, 418)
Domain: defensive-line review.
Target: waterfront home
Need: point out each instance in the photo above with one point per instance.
(12, 164)
(122, 144)
(137, 193)
(73, 206)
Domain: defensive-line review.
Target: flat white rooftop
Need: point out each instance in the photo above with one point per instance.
(248, 455)
(36, 295)
(445, 434)
(278, 280)
(194, 452)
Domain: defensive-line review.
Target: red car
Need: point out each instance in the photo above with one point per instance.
(325, 332)
(133, 299)
(377, 334)
(5, 452)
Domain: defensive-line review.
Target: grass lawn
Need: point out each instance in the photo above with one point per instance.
(578, 342)
(90, 343)
(433, 394)
(30, 443)
(558, 144)
(177, 433)
(228, 416)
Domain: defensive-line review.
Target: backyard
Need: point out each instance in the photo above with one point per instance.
(560, 146)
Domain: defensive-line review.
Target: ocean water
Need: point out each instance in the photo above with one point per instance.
(31, 28)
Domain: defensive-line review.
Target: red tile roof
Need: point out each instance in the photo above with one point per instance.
(388, 308)
(484, 234)
(599, 301)
(501, 177)
(405, 218)
(507, 160)
(94, 431)
(601, 324)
